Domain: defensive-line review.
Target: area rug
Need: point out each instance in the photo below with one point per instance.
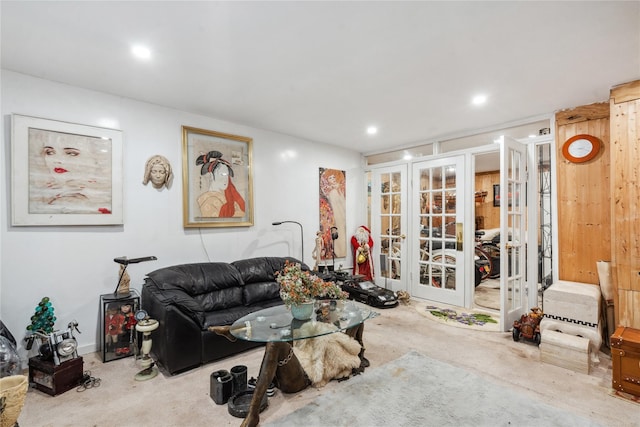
(415, 390)
(458, 317)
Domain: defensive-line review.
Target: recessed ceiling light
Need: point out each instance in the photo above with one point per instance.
(532, 136)
(141, 52)
(479, 99)
(372, 130)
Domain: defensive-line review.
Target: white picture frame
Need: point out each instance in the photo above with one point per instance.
(65, 173)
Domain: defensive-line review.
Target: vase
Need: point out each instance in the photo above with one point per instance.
(13, 390)
(302, 311)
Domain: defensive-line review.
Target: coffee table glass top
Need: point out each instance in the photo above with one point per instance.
(276, 324)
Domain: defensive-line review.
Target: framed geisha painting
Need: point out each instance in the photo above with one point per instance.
(217, 179)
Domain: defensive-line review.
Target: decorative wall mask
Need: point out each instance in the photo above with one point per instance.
(158, 171)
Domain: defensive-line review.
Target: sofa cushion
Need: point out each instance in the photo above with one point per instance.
(198, 278)
(261, 291)
(227, 317)
(220, 299)
(262, 269)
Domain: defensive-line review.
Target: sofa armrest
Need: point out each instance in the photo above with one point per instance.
(177, 343)
(177, 298)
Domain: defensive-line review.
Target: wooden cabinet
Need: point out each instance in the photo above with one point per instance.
(625, 356)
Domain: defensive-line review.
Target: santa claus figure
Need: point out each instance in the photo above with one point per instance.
(362, 260)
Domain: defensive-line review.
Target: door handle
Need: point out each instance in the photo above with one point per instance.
(403, 236)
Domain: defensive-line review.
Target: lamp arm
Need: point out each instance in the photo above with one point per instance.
(301, 235)
(126, 261)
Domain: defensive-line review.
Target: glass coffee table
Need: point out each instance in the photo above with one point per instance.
(277, 328)
(276, 324)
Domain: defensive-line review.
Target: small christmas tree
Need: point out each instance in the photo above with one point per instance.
(43, 319)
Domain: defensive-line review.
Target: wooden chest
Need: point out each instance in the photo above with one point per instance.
(52, 379)
(625, 356)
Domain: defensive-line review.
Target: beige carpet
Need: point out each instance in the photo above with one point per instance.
(487, 294)
(183, 400)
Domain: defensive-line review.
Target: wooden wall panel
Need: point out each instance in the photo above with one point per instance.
(584, 224)
(625, 208)
(485, 209)
(627, 309)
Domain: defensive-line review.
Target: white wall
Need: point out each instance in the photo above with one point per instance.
(74, 265)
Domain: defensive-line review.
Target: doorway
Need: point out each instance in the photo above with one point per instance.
(486, 213)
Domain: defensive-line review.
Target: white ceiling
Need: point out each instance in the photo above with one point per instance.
(324, 71)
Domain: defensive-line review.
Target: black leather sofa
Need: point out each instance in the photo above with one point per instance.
(186, 299)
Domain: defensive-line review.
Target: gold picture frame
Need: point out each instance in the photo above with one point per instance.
(65, 173)
(217, 179)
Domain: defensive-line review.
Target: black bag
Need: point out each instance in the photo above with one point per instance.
(6, 333)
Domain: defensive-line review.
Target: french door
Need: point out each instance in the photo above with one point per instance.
(513, 212)
(437, 233)
(389, 225)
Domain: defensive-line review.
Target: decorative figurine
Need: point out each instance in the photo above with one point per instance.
(44, 317)
(318, 251)
(528, 326)
(362, 243)
(125, 281)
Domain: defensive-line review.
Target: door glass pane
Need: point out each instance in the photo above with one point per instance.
(424, 180)
(396, 226)
(395, 177)
(510, 302)
(436, 182)
(395, 205)
(450, 172)
(384, 203)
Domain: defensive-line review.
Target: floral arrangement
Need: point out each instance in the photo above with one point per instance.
(297, 286)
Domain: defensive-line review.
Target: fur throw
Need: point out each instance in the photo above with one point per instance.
(327, 357)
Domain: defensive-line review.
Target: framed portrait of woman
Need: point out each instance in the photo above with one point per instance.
(217, 179)
(65, 173)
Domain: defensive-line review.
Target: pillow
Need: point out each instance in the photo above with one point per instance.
(197, 278)
(262, 269)
(258, 292)
(221, 299)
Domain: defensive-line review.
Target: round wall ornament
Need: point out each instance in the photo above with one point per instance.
(581, 148)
